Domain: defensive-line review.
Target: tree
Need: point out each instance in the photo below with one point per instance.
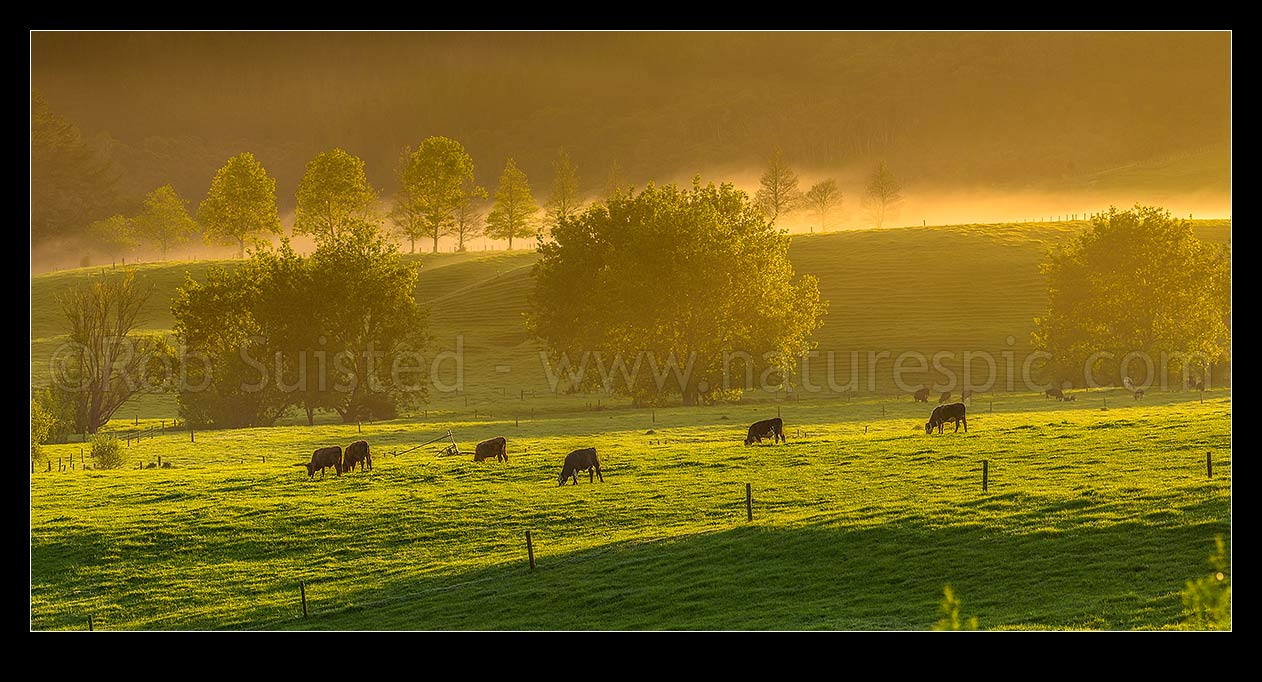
(334, 190)
(468, 218)
(883, 195)
(107, 451)
(822, 197)
(514, 206)
(115, 236)
(779, 187)
(71, 185)
(564, 202)
(164, 220)
(688, 279)
(324, 332)
(614, 182)
(432, 186)
(241, 202)
(105, 364)
(41, 425)
(1136, 281)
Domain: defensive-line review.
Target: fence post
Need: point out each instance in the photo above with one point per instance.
(264, 458)
(1209, 465)
(985, 474)
(191, 439)
(302, 587)
(159, 461)
(60, 466)
(50, 464)
(515, 424)
(530, 551)
(89, 623)
(359, 427)
(749, 503)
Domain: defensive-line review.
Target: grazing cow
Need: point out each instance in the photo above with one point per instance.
(322, 458)
(1054, 393)
(1070, 398)
(773, 428)
(1139, 393)
(1126, 382)
(577, 461)
(946, 413)
(495, 448)
(946, 395)
(357, 453)
(922, 395)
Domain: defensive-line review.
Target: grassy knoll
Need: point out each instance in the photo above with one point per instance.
(1093, 519)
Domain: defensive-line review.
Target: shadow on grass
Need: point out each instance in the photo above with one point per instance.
(824, 576)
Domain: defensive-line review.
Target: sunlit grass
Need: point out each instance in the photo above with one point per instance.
(1093, 519)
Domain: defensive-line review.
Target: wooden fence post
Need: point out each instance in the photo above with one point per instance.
(191, 439)
(749, 502)
(89, 622)
(159, 461)
(1209, 465)
(302, 587)
(530, 551)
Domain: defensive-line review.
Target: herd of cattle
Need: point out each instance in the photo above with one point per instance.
(585, 459)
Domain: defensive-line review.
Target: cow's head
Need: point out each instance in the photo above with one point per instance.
(748, 440)
(564, 475)
(928, 427)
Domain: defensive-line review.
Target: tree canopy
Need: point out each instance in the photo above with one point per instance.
(334, 191)
(241, 203)
(883, 196)
(432, 181)
(778, 193)
(1137, 281)
(697, 279)
(514, 209)
(165, 220)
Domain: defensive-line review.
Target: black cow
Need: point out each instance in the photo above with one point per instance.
(773, 427)
(495, 448)
(1139, 393)
(921, 396)
(946, 395)
(577, 461)
(1054, 393)
(323, 458)
(946, 413)
(357, 453)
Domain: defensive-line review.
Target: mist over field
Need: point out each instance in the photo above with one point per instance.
(980, 127)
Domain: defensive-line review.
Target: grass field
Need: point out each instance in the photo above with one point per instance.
(1093, 519)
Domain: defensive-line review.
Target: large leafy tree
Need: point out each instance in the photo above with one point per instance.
(164, 220)
(333, 192)
(778, 187)
(564, 202)
(241, 203)
(883, 196)
(1136, 281)
(317, 333)
(674, 278)
(71, 184)
(433, 183)
(514, 206)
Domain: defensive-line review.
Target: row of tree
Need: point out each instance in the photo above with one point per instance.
(778, 193)
(437, 198)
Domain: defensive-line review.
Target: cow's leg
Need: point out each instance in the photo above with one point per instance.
(591, 475)
(957, 426)
(965, 420)
(598, 474)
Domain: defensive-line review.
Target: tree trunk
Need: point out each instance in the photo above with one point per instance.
(690, 396)
(413, 244)
(240, 247)
(435, 242)
(310, 416)
(510, 242)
